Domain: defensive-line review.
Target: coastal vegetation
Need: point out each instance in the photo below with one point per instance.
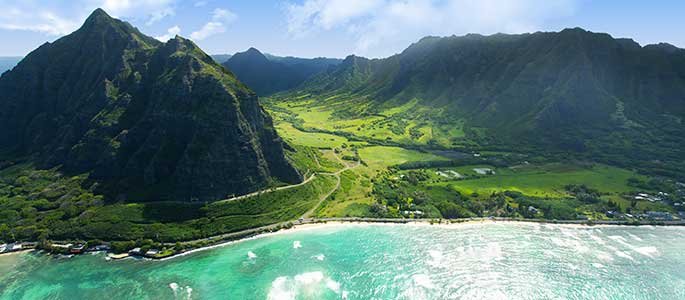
(38, 205)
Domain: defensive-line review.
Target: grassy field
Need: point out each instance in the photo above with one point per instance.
(542, 181)
(412, 125)
(406, 123)
(381, 157)
(310, 139)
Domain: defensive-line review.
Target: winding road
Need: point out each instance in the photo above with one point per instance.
(337, 185)
(309, 179)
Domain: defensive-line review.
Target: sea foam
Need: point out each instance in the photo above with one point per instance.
(309, 284)
(647, 251)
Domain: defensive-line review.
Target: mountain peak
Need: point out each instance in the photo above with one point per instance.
(251, 54)
(171, 91)
(99, 22)
(253, 50)
(98, 16)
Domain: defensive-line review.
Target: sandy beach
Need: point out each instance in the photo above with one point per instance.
(332, 224)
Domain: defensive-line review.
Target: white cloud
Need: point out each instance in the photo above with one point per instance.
(200, 3)
(43, 21)
(150, 11)
(208, 30)
(395, 24)
(170, 33)
(62, 17)
(223, 15)
(220, 18)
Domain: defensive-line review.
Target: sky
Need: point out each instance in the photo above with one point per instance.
(337, 28)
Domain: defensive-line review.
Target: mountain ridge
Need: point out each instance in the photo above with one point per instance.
(148, 120)
(556, 91)
(269, 74)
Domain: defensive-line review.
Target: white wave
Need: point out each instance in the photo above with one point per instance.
(189, 290)
(621, 240)
(624, 255)
(435, 258)
(281, 290)
(493, 251)
(598, 265)
(251, 255)
(597, 239)
(333, 285)
(345, 294)
(297, 244)
(604, 256)
(647, 251)
(309, 277)
(309, 285)
(569, 233)
(559, 242)
(320, 257)
(423, 280)
(578, 247)
(635, 237)
(174, 287)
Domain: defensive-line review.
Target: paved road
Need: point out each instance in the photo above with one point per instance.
(280, 188)
(321, 200)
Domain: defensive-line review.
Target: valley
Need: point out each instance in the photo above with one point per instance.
(403, 177)
(170, 150)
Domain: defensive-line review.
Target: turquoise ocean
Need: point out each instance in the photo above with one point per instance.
(504, 260)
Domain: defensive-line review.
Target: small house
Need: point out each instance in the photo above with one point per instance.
(152, 252)
(135, 251)
(659, 215)
(78, 249)
(61, 246)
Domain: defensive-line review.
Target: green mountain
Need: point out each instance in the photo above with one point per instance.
(221, 58)
(147, 120)
(307, 66)
(572, 92)
(268, 74)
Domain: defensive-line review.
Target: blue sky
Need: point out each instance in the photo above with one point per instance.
(337, 28)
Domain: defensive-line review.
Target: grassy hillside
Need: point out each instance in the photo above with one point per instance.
(572, 93)
(400, 172)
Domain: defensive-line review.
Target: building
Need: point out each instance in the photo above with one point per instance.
(152, 252)
(659, 215)
(135, 251)
(98, 248)
(62, 246)
(78, 249)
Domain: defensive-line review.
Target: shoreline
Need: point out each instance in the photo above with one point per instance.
(309, 224)
(16, 252)
(332, 222)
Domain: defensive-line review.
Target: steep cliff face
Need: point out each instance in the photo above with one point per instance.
(569, 91)
(147, 120)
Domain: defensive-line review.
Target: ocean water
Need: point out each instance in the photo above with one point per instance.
(469, 261)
